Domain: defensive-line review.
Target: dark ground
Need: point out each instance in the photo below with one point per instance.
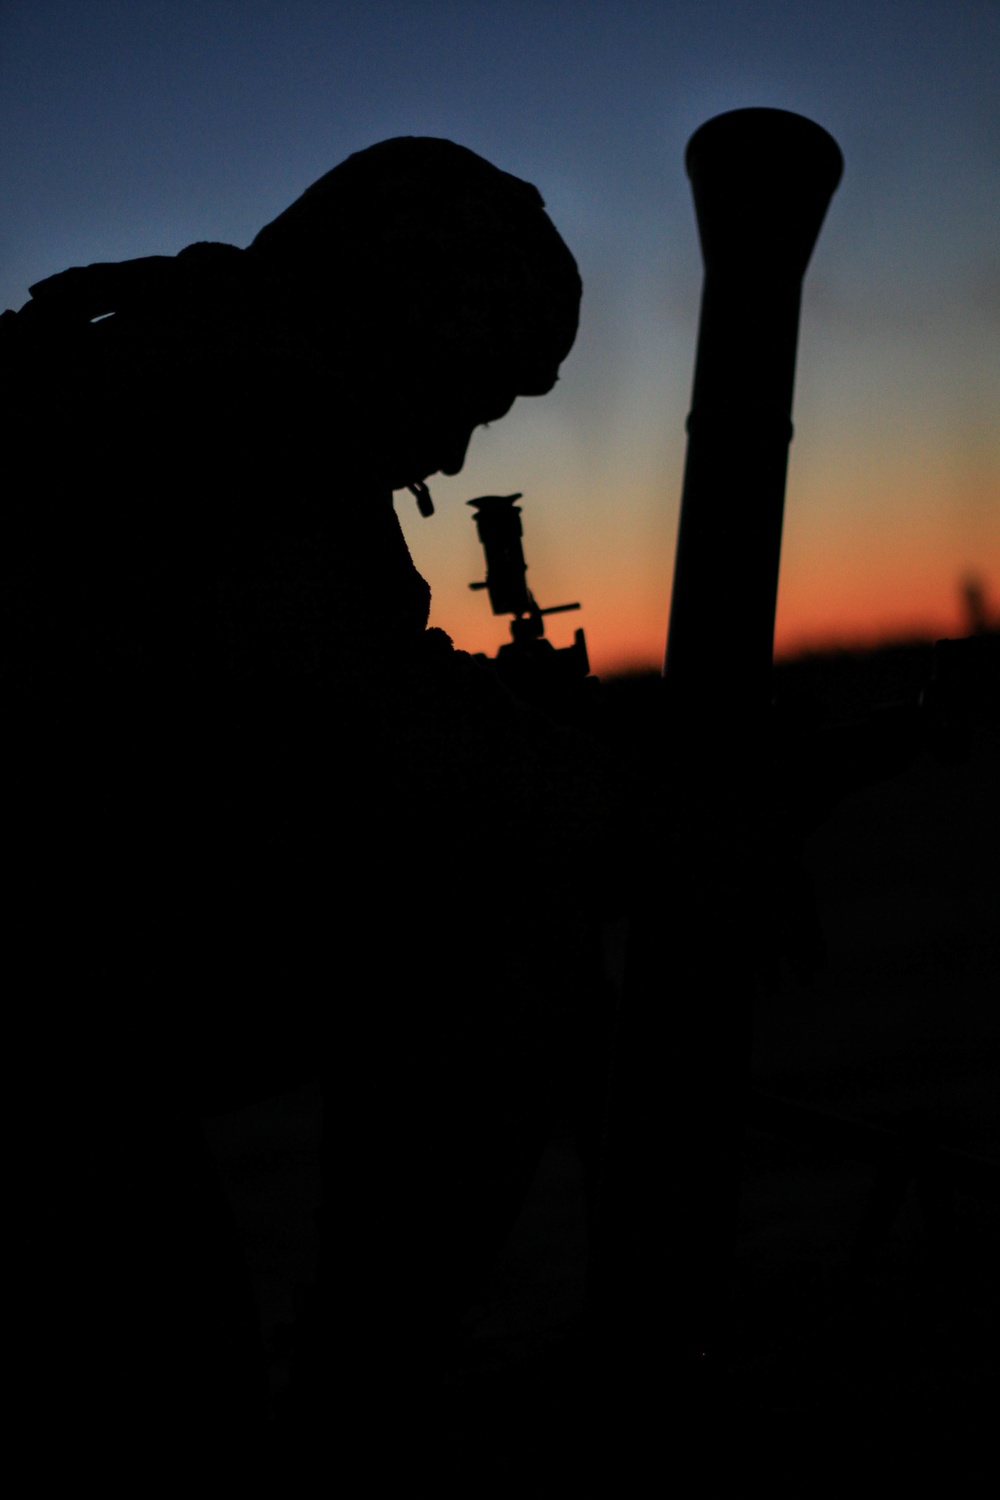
(903, 1031)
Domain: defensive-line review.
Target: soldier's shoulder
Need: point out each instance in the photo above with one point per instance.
(212, 311)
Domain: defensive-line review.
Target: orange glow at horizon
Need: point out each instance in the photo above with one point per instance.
(815, 617)
(892, 498)
(850, 582)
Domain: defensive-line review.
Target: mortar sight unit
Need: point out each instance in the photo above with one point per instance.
(535, 671)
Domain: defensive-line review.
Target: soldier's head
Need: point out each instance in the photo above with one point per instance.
(439, 282)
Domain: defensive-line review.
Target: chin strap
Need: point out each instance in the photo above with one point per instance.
(422, 495)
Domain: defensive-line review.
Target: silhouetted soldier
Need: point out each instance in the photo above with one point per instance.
(266, 826)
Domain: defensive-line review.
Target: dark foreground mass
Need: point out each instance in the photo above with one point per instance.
(860, 1310)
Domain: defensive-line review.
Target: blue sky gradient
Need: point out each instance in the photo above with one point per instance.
(135, 128)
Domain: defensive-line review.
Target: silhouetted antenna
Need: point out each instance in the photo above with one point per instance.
(974, 603)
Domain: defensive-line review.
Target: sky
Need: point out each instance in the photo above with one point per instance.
(135, 127)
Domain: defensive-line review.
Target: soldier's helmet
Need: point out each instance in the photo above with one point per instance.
(418, 248)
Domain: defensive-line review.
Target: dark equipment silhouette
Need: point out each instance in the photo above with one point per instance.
(762, 180)
(750, 777)
(534, 670)
(263, 776)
